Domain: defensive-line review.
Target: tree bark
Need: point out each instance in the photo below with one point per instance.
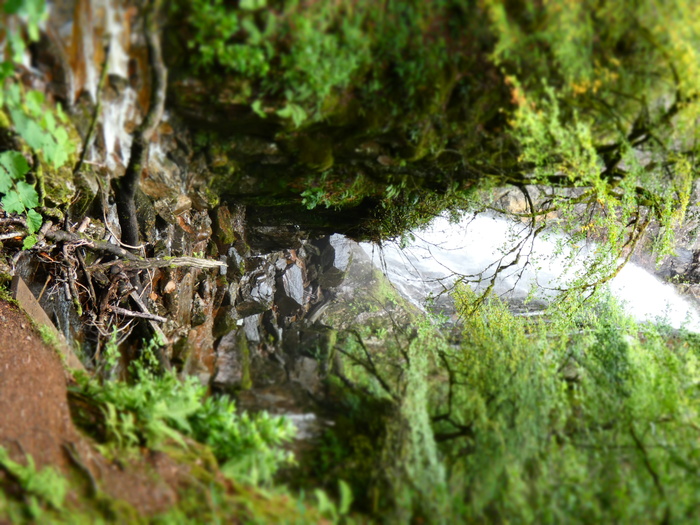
(125, 190)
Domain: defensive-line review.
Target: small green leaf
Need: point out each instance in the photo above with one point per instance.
(325, 505)
(345, 497)
(6, 70)
(295, 112)
(14, 163)
(11, 202)
(34, 221)
(257, 109)
(27, 194)
(35, 102)
(30, 131)
(18, 47)
(13, 94)
(29, 242)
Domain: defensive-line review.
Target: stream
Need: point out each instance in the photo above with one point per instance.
(444, 251)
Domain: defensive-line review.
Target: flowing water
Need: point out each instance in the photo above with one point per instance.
(443, 251)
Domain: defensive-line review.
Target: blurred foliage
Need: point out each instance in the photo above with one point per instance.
(35, 127)
(577, 416)
(154, 409)
(424, 100)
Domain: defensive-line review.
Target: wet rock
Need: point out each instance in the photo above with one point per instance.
(306, 372)
(290, 291)
(87, 189)
(181, 302)
(267, 369)
(251, 328)
(170, 208)
(284, 398)
(224, 227)
(232, 363)
(271, 325)
(146, 214)
(163, 178)
(200, 311)
(680, 266)
(257, 290)
(335, 259)
(191, 233)
(236, 266)
(225, 320)
(267, 239)
(314, 341)
(198, 353)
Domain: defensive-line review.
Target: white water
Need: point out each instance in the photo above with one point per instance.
(442, 251)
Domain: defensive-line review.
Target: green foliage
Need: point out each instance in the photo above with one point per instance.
(155, 409)
(45, 487)
(328, 508)
(598, 103)
(248, 447)
(587, 418)
(601, 97)
(312, 197)
(33, 12)
(42, 128)
(577, 416)
(300, 57)
(19, 196)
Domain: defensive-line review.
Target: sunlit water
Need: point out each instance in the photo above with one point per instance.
(442, 251)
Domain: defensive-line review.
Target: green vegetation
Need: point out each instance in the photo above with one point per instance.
(44, 487)
(42, 127)
(371, 119)
(427, 101)
(570, 418)
(154, 409)
(305, 55)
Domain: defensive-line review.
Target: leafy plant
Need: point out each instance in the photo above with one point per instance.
(156, 408)
(33, 12)
(41, 128)
(328, 508)
(19, 196)
(312, 197)
(40, 486)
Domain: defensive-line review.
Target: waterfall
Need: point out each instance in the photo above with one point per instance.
(443, 251)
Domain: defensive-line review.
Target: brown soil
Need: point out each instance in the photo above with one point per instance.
(35, 419)
(34, 415)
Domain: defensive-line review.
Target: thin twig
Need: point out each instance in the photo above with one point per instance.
(100, 246)
(130, 313)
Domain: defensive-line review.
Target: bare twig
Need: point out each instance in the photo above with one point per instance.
(141, 315)
(12, 235)
(100, 246)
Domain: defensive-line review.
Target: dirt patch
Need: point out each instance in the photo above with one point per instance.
(34, 415)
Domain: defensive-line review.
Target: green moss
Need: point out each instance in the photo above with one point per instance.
(246, 381)
(5, 121)
(315, 152)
